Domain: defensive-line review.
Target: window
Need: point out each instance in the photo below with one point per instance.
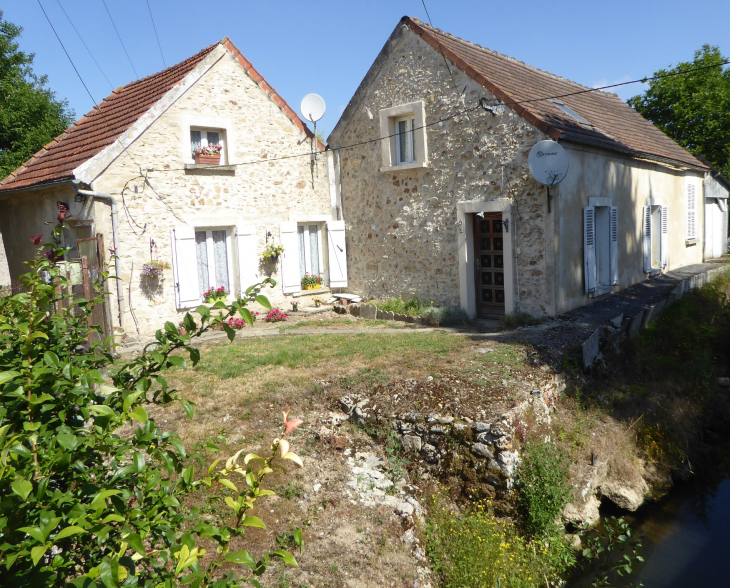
(691, 212)
(310, 252)
(405, 153)
(404, 137)
(570, 112)
(207, 138)
(600, 245)
(213, 256)
(655, 238)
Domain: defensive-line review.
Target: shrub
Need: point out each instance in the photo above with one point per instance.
(543, 487)
(86, 505)
(276, 315)
(514, 320)
(474, 550)
(447, 316)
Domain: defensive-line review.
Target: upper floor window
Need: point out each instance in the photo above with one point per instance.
(207, 142)
(403, 129)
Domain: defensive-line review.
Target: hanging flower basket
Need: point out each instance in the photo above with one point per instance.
(272, 252)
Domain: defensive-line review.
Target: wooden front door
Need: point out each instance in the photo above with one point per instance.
(489, 265)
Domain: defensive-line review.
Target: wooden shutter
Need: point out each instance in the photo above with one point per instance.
(664, 244)
(691, 211)
(248, 260)
(184, 267)
(337, 254)
(646, 241)
(290, 278)
(613, 246)
(589, 248)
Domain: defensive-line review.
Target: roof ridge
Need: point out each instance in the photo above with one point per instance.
(507, 57)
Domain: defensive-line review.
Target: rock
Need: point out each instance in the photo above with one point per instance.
(483, 450)
(354, 309)
(411, 442)
(429, 379)
(340, 309)
(349, 402)
(404, 509)
(628, 496)
(412, 417)
(482, 427)
(409, 538)
(385, 315)
(429, 453)
(724, 382)
(437, 430)
(368, 311)
(340, 441)
(583, 511)
(485, 438)
(481, 350)
(316, 487)
(508, 462)
(504, 443)
(617, 320)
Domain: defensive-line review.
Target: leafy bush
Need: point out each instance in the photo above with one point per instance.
(94, 494)
(543, 486)
(475, 549)
(520, 319)
(447, 316)
(275, 315)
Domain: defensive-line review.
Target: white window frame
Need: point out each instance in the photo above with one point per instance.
(198, 122)
(600, 247)
(647, 236)
(409, 139)
(210, 250)
(388, 118)
(204, 140)
(307, 250)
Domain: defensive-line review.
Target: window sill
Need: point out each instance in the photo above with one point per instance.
(214, 169)
(690, 242)
(310, 292)
(405, 166)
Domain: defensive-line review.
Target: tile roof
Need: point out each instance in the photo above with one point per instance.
(100, 127)
(613, 124)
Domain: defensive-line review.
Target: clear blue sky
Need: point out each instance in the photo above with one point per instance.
(327, 46)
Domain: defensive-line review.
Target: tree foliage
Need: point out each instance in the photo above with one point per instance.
(30, 114)
(92, 493)
(693, 108)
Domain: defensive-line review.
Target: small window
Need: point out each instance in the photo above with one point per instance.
(404, 141)
(570, 112)
(310, 250)
(691, 212)
(214, 260)
(207, 139)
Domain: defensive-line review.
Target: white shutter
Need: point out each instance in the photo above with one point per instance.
(647, 239)
(613, 250)
(290, 278)
(248, 260)
(664, 244)
(185, 267)
(691, 211)
(337, 254)
(589, 248)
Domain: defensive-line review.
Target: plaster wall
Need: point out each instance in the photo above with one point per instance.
(716, 219)
(403, 237)
(155, 193)
(4, 270)
(628, 184)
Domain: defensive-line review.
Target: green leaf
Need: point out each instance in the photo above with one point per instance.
(129, 400)
(138, 461)
(228, 484)
(7, 376)
(253, 522)
(178, 445)
(34, 532)
(287, 557)
(187, 475)
(34, 336)
(241, 557)
(135, 542)
(68, 532)
(22, 488)
(229, 331)
(100, 498)
(203, 311)
(109, 572)
(139, 414)
(246, 315)
(102, 410)
(52, 359)
(177, 361)
(69, 442)
(187, 407)
(37, 553)
(263, 301)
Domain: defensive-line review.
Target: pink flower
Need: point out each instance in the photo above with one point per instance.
(37, 240)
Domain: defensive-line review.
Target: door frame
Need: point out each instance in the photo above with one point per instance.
(465, 212)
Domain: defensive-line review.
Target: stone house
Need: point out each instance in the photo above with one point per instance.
(440, 204)
(127, 173)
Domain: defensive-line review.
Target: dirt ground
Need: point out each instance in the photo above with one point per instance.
(358, 498)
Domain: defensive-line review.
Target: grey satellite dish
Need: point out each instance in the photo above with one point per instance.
(312, 107)
(548, 163)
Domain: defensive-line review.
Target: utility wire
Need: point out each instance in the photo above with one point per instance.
(84, 43)
(156, 37)
(439, 44)
(120, 39)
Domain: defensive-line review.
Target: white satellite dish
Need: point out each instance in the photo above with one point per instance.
(312, 107)
(548, 162)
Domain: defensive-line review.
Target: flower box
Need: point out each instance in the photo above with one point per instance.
(313, 287)
(208, 159)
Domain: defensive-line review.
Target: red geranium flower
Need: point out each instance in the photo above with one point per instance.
(37, 240)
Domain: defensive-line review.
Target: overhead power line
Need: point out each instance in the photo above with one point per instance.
(85, 45)
(120, 39)
(156, 37)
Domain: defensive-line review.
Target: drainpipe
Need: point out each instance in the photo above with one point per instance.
(115, 237)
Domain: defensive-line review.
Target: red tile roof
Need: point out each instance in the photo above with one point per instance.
(100, 127)
(613, 123)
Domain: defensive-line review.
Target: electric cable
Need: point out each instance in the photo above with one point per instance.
(120, 39)
(84, 43)
(156, 37)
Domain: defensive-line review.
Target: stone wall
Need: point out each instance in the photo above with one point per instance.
(163, 195)
(402, 233)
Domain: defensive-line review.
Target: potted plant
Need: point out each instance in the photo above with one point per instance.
(213, 295)
(311, 282)
(208, 155)
(317, 302)
(294, 306)
(272, 252)
(153, 269)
